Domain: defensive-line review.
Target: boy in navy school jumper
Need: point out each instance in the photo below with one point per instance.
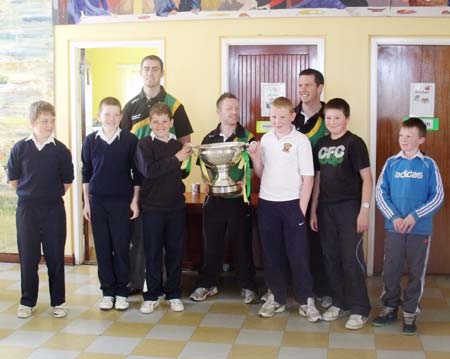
(284, 162)
(40, 169)
(408, 193)
(159, 158)
(340, 211)
(111, 192)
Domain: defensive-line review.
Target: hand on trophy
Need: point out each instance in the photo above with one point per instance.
(254, 150)
(184, 153)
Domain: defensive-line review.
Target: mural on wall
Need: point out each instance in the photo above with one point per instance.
(89, 11)
(26, 75)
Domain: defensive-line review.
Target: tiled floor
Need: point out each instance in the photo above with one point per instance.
(222, 327)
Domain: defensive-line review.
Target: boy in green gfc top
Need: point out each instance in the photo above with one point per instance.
(227, 216)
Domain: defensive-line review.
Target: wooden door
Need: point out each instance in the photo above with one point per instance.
(249, 66)
(398, 66)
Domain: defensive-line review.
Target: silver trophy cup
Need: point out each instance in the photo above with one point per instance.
(219, 158)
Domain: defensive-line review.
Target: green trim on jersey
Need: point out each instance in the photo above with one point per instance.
(318, 131)
(141, 129)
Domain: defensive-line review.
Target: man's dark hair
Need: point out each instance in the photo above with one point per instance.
(417, 123)
(318, 77)
(154, 58)
(224, 96)
(338, 104)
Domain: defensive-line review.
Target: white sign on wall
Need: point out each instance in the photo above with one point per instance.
(421, 99)
(269, 92)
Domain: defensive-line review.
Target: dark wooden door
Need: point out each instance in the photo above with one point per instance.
(398, 67)
(249, 66)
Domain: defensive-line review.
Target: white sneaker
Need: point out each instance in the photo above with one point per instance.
(200, 294)
(266, 295)
(176, 305)
(24, 311)
(356, 321)
(107, 303)
(333, 313)
(121, 303)
(325, 301)
(149, 306)
(60, 311)
(270, 307)
(310, 311)
(248, 295)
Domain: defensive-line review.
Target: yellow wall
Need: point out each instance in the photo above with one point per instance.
(105, 77)
(193, 62)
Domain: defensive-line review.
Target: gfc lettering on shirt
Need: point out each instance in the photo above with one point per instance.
(333, 155)
(408, 174)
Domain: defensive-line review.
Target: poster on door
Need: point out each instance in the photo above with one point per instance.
(421, 99)
(269, 92)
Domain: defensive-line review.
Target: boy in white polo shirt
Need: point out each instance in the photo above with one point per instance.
(283, 159)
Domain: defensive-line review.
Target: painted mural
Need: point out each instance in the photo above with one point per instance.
(26, 75)
(89, 11)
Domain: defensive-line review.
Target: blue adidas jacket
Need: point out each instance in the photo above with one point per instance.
(410, 186)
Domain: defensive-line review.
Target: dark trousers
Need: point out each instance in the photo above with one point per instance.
(344, 258)
(164, 232)
(398, 249)
(317, 262)
(137, 255)
(44, 225)
(111, 229)
(282, 229)
(227, 218)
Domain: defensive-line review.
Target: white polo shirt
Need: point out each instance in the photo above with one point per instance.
(285, 160)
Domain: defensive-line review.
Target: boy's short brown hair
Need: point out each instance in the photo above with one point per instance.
(109, 101)
(417, 123)
(38, 107)
(338, 104)
(160, 108)
(283, 102)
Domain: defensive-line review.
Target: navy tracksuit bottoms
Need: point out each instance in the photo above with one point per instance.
(283, 234)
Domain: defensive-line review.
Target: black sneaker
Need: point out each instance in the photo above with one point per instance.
(386, 316)
(409, 324)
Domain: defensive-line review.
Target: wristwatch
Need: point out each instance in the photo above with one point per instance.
(365, 205)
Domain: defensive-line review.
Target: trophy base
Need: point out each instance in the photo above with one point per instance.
(225, 191)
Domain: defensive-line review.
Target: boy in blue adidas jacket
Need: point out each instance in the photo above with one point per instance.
(408, 194)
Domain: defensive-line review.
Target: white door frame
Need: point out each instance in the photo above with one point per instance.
(75, 127)
(375, 43)
(227, 42)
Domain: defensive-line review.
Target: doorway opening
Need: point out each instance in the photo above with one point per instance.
(98, 70)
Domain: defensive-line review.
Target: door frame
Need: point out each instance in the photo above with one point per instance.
(375, 43)
(75, 128)
(252, 41)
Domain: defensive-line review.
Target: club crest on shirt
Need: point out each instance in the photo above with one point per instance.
(287, 147)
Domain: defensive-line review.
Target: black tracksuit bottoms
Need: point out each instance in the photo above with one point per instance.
(226, 218)
(344, 258)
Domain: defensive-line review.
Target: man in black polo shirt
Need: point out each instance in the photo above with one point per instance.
(310, 120)
(226, 217)
(135, 120)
